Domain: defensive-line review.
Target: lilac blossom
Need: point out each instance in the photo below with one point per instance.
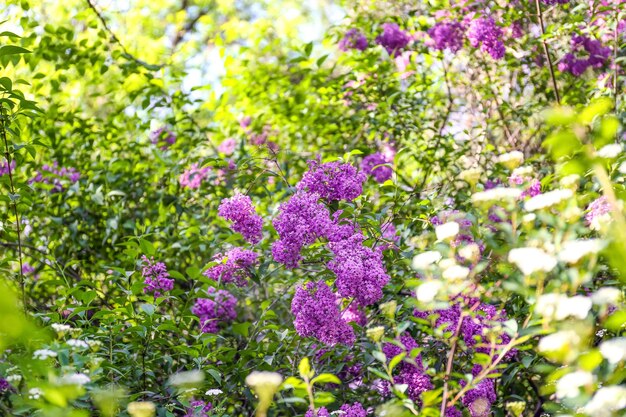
(227, 147)
(354, 410)
(239, 210)
(233, 266)
(57, 177)
(198, 408)
(410, 372)
(316, 314)
(218, 309)
(194, 176)
(353, 39)
(377, 166)
(156, 278)
(321, 412)
(164, 136)
(447, 35)
(4, 168)
(332, 180)
(586, 52)
(485, 33)
(393, 39)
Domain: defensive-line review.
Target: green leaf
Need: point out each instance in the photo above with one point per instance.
(305, 369)
(326, 379)
(12, 50)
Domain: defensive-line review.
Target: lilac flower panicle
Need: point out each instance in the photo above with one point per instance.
(316, 314)
(586, 53)
(4, 385)
(447, 35)
(239, 210)
(332, 181)
(218, 309)
(198, 408)
(227, 146)
(377, 166)
(321, 412)
(163, 135)
(57, 177)
(485, 33)
(156, 278)
(4, 167)
(301, 220)
(393, 39)
(359, 269)
(354, 410)
(194, 176)
(353, 39)
(479, 399)
(233, 266)
(410, 372)
(597, 209)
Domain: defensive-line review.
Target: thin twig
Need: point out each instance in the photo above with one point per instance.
(547, 52)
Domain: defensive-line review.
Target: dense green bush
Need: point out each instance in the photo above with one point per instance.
(417, 212)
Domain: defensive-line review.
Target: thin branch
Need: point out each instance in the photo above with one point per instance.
(547, 52)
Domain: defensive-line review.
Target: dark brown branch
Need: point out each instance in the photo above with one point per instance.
(547, 52)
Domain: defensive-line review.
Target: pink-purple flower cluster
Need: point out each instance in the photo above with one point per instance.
(218, 309)
(586, 53)
(193, 176)
(332, 180)
(378, 166)
(227, 146)
(57, 177)
(597, 208)
(198, 408)
(393, 39)
(353, 39)
(233, 266)
(164, 136)
(347, 410)
(485, 33)
(533, 186)
(156, 278)
(447, 35)
(239, 210)
(317, 314)
(4, 167)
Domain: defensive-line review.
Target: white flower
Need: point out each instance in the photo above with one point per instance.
(471, 175)
(35, 393)
(530, 260)
(606, 295)
(569, 385)
(569, 180)
(523, 172)
(77, 344)
(496, 194)
(605, 401)
(194, 377)
(14, 378)
(61, 328)
(455, 273)
(560, 306)
(548, 199)
(559, 340)
(574, 250)
(528, 218)
(76, 379)
(141, 409)
(338, 412)
(470, 252)
(622, 168)
(425, 259)
(511, 159)
(427, 292)
(44, 354)
(614, 350)
(447, 230)
(213, 392)
(610, 151)
(257, 379)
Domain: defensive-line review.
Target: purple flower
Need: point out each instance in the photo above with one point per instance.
(321, 412)
(301, 220)
(198, 408)
(156, 277)
(585, 53)
(227, 146)
(164, 136)
(485, 33)
(219, 308)
(4, 385)
(551, 2)
(353, 313)
(245, 121)
(239, 210)
(360, 271)
(393, 39)
(377, 166)
(233, 266)
(193, 176)
(27, 269)
(332, 180)
(353, 39)
(4, 168)
(316, 314)
(57, 177)
(598, 208)
(354, 410)
(480, 398)
(447, 35)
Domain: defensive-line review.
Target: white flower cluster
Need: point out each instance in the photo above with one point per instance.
(61, 328)
(426, 259)
(574, 250)
(496, 194)
(77, 344)
(447, 231)
(560, 306)
(614, 350)
(531, 260)
(35, 393)
(606, 401)
(511, 159)
(549, 199)
(44, 354)
(610, 151)
(76, 379)
(569, 385)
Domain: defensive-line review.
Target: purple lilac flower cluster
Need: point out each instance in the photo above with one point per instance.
(353, 39)
(300, 221)
(532, 188)
(447, 35)
(198, 408)
(4, 168)
(393, 39)
(164, 136)
(216, 310)
(58, 178)
(479, 399)
(227, 147)
(354, 410)
(359, 269)
(410, 373)
(156, 277)
(233, 266)
(596, 209)
(377, 166)
(465, 236)
(4, 385)
(193, 176)
(586, 52)
(485, 33)
(332, 181)
(317, 314)
(239, 210)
